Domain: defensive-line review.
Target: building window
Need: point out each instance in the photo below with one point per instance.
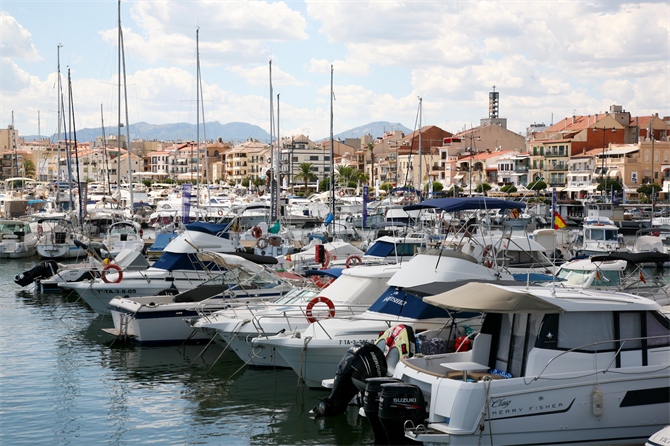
(646, 156)
(656, 157)
(314, 157)
(295, 159)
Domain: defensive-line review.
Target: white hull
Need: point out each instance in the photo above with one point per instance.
(60, 251)
(17, 254)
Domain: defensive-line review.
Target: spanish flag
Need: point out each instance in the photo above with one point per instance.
(559, 223)
(598, 275)
(642, 277)
(515, 213)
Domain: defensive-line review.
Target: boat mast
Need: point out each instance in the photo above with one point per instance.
(125, 102)
(273, 177)
(58, 47)
(68, 139)
(39, 144)
(204, 135)
(197, 113)
(332, 169)
(420, 161)
(104, 152)
(118, 127)
(82, 203)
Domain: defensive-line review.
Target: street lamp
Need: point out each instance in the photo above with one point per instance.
(602, 168)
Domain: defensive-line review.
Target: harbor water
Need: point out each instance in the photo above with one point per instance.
(63, 381)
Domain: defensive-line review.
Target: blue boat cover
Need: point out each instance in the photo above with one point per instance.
(464, 204)
(320, 237)
(162, 241)
(172, 261)
(405, 189)
(207, 228)
(401, 303)
(380, 249)
(139, 205)
(330, 272)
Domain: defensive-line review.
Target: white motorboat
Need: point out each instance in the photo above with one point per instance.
(17, 239)
(124, 235)
(599, 236)
(178, 268)
(160, 319)
(314, 353)
(352, 293)
(57, 239)
(549, 366)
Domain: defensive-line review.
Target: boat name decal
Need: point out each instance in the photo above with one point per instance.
(503, 406)
(117, 291)
(354, 341)
(395, 300)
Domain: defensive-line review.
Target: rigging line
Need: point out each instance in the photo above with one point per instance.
(82, 208)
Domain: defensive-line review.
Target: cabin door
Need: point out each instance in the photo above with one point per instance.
(517, 337)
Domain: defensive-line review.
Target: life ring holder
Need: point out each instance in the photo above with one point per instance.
(256, 232)
(327, 261)
(220, 212)
(40, 230)
(353, 257)
(262, 243)
(489, 249)
(107, 267)
(316, 300)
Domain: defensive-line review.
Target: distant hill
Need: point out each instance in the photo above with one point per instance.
(374, 128)
(233, 131)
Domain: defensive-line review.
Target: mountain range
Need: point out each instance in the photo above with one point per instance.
(232, 131)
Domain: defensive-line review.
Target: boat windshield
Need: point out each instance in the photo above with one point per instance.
(10, 228)
(572, 277)
(610, 235)
(245, 278)
(296, 296)
(124, 229)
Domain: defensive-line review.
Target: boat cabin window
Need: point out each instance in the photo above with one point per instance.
(610, 235)
(583, 329)
(245, 278)
(10, 228)
(525, 258)
(407, 249)
(607, 278)
(573, 277)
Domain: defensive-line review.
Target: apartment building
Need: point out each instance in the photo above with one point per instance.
(513, 169)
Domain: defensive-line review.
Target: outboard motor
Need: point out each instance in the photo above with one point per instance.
(398, 403)
(42, 270)
(362, 361)
(371, 406)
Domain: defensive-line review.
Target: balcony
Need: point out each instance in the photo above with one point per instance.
(578, 168)
(558, 167)
(558, 154)
(521, 169)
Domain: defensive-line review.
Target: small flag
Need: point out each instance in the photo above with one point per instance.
(288, 257)
(515, 213)
(559, 223)
(598, 275)
(642, 277)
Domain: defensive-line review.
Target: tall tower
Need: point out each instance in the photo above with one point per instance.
(494, 119)
(494, 96)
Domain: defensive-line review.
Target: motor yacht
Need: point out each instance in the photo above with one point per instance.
(17, 239)
(549, 366)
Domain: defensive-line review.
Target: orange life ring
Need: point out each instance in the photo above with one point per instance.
(178, 195)
(341, 193)
(322, 281)
(107, 268)
(256, 232)
(350, 258)
(220, 212)
(40, 230)
(316, 300)
(327, 260)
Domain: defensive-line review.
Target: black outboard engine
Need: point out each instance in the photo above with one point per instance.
(398, 403)
(371, 406)
(42, 270)
(362, 361)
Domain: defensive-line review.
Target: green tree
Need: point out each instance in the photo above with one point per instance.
(647, 189)
(246, 181)
(508, 189)
(437, 186)
(537, 186)
(231, 183)
(29, 168)
(450, 192)
(610, 184)
(324, 184)
(482, 188)
(352, 184)
(306, 174)
(386, 187)
(370, 147)
(147, 183)
(168, 181)
(258, 182)
(344, 174)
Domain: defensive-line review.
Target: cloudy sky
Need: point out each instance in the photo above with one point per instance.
(544, 57)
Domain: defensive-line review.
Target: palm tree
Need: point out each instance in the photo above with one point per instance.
(345, 173)
(306, 174)
(370, 147)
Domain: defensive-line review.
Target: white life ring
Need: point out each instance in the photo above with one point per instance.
(341, 193)
(262, 243)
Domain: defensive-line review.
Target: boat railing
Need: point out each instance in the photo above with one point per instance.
(622, 342)
(300, 311)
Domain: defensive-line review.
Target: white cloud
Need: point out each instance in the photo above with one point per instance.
(260, 76)
(16, 40)
(13, 77)
(349, 67)
(230, 32)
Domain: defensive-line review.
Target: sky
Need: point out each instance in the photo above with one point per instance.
(546, 59)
